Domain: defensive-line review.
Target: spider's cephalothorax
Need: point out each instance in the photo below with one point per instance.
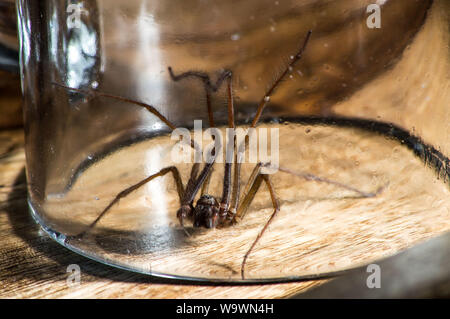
(206, 212)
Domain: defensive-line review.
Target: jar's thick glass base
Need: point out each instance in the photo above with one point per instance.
(321, 229)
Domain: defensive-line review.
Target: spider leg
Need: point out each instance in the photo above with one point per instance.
(266, 97)
(148, 107)
(129, 190)
(253, 185)
(227, 186)
(315, 178)
(262, 104)
(205, 185)
(208, 85)
(250, 191)
(203, 77)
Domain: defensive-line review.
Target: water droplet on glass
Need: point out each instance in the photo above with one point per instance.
(275, 120)
(94, 84)
(235, 37)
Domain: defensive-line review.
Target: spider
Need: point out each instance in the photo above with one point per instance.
(210, 211)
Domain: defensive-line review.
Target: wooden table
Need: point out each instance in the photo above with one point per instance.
(35, 266)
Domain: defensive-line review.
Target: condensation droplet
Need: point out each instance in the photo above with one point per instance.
(235, 37)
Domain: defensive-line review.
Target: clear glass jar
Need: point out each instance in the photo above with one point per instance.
(365, 107)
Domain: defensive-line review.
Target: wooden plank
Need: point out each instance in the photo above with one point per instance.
(34, 266)
(419, 272)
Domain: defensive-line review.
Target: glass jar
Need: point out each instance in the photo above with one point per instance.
(360, 127)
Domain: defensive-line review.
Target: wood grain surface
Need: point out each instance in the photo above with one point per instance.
(319, 228)
(419, 272)
(35, 266)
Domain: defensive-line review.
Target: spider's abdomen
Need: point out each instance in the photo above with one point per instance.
(206, 212)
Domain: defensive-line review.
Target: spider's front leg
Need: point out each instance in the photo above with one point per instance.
(129, 190)
(252, 187)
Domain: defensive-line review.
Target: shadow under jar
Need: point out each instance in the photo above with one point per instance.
(361, 130)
